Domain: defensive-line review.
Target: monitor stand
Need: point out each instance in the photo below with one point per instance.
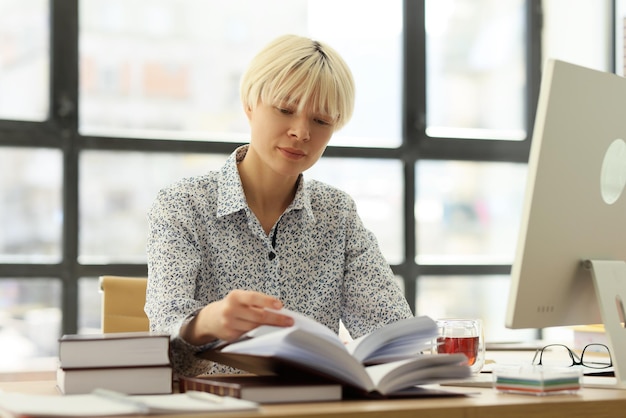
(609, 278)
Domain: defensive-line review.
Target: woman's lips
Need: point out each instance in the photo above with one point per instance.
(292, 153)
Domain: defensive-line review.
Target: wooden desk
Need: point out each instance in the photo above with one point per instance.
(487, 403)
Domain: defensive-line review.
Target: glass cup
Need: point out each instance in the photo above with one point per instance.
(462, 336)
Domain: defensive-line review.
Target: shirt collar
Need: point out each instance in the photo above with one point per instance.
(231, 197)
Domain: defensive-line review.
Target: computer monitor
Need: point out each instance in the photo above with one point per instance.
(574, 208)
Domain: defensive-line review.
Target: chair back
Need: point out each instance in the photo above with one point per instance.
(123, 300)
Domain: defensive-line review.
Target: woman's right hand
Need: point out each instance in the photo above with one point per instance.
(229, 318)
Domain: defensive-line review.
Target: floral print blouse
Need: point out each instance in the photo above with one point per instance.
(318, 259)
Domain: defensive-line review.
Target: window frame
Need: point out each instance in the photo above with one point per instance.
(60, 131)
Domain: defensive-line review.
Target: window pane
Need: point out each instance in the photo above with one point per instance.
(30, 205)
(171, 69)
(377, 188)
(24, 59)
(89, 306)
(476, 77)
(468, 212)
(30, 322)
(469, 297)
(116, 191)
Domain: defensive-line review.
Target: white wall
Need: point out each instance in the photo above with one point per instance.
(579, 31)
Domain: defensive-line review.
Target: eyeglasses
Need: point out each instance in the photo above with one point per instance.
(594, 356)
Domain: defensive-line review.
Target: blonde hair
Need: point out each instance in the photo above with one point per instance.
(298, 71)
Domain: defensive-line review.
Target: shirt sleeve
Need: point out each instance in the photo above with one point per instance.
(372, 298)
(173, 263)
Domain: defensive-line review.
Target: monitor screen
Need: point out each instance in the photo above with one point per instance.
(574, 208)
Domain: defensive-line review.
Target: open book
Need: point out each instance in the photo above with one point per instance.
(384, 362)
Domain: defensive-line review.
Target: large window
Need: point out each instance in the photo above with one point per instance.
(24, 60)
(171, 69)
(476, 78)
(103, 102)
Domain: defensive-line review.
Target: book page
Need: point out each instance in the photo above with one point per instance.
(300, 321)
(428, 368)
(403, 338)
(311, 351)
(193, 401)
(88, 405)
(95, 405)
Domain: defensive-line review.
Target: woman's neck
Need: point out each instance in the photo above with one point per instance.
(267, 193)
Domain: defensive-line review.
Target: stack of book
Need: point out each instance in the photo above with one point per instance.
(131, 362)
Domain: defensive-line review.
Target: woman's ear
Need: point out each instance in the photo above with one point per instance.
(248, 110)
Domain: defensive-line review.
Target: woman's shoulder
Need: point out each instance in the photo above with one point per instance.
(326, 194)
(319, 187)
(194, 183)
(195, 187)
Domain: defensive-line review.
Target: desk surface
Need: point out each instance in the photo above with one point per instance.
(484, 403)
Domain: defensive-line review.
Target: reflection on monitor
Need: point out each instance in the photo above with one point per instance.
(574, 208)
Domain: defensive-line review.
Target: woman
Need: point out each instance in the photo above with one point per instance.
(225, 246)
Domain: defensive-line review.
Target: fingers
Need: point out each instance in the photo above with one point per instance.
(239, 312)
(254, 299)
(248, 309)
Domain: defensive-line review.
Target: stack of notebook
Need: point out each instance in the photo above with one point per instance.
(132, 363)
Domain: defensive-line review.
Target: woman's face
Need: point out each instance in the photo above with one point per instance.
(288, 140)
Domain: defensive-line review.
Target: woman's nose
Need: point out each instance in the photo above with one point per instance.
(300, 129)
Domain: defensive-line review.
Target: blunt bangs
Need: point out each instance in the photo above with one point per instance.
(299, 72)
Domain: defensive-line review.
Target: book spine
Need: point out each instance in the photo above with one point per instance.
(216, 389)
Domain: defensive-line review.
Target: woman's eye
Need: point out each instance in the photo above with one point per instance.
(322, 122)
(284, 111)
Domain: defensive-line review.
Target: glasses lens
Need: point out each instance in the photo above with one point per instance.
(556, 356)
(596, 356)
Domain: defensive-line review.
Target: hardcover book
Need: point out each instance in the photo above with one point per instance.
(389, 360)
(128, 380)
(114, 350)
(264, 389)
